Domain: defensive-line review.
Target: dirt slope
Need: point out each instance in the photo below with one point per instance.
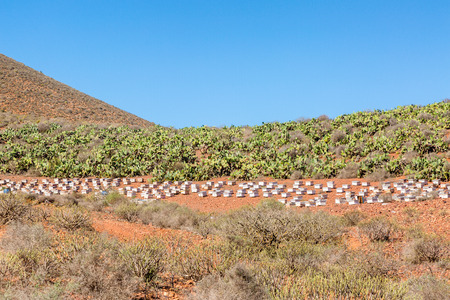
(25, 91)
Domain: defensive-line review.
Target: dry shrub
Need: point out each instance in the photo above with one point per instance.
(72, 218)
(350, 171)
(411, 212)
(170, 215)
(12, 208)
(21, 236)
(299, 256)
(127, 211)
(376, 264)
(238, 283)
(30, 257)
(378, 175)
(428, 249)
(270, 223)
(339, 149)
(192, 260)
(425, 116)
(386, 197)
(337, 136)
(296, 175)
(353, 217)
(298, 136)
(408, 157)
(427, 288)
(323, 118)
(378, 229)
(144, 258)
(96, 273)
(114, 197)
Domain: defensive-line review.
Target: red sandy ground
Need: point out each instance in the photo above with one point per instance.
(432, 214)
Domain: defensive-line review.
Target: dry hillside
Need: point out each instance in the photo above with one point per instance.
(25, 91)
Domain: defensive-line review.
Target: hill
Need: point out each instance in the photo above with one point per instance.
(27, 92)
(406, 141)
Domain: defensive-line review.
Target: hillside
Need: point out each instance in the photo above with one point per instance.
(407, 141)
(25, 91)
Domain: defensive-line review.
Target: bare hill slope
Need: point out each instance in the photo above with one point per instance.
(26, 91)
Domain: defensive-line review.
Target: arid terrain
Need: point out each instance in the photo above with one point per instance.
(412, 220)
(28, 93)
(95, 203)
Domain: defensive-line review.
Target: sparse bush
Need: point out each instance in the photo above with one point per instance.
(270, 223)
(323, 118)
(376, 264)
(337, 136)
(238, 283)
(427, 288)
(353, 217)
(411, 212)
(144, 258)
(296, 175)
(128, 211)
(428, 249)
(21, 236)
(12, 208)
(72, 218)
(378, 175)
(170, 215)
(350, 171)
(408, 157)
(378, 229)
(339, 149)
(386, 197)
(299, 256)
(114, 197)
(193, 260)
(96, 273)
(425, 116)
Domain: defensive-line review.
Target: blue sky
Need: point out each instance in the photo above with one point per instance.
(194, 63)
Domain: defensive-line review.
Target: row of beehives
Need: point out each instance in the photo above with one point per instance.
(64, 186)
(407, 190)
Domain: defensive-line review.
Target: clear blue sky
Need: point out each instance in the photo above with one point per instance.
(193, 63)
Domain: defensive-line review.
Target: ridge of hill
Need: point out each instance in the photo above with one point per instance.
(25, 91)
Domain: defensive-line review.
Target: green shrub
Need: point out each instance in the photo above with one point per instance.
(335, 283)
(427, 288)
